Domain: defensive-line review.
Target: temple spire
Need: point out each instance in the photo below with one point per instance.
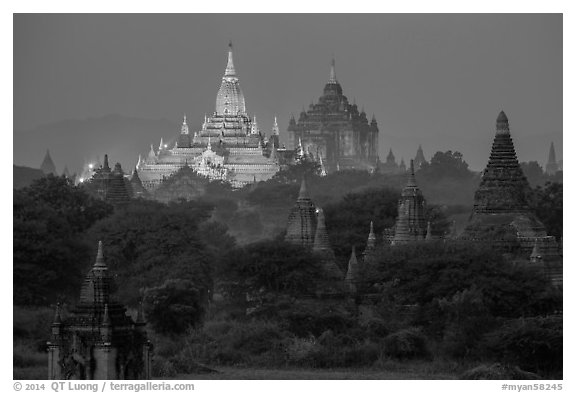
(57, 316)
(552, 165)
(333, 72)
(502, 126)
(48, 165)
(536, 255)
(275, 128)
(322, 167)
(303, 194)
(411, 176)
(230, 70)
(100, 256)
(106, 165)
(428, 232)
(352, 272)
(321, 242)
(184, 128)
(370, 250)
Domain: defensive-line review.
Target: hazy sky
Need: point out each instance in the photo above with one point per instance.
(435, 80)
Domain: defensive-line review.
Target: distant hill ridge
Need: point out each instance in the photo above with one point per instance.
(72, 142)
(24, 176)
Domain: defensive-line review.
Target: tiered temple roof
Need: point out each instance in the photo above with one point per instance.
(370, 250)
(98, 340)
(501, 211)
(504, 187)
(109, 185)
(335, 130)
(410, 223)
(301, 227)
(323, 249)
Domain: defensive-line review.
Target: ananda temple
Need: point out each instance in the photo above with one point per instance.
(229, 146)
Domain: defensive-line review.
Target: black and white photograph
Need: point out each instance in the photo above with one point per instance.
(287, 196)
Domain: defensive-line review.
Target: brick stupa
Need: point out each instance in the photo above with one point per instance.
(501, 211)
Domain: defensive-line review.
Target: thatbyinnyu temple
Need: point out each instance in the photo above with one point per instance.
(229, 146)
(334, 131)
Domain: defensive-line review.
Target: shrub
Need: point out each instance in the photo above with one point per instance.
(234, 343)
(533, 344)
(175, 306)
(406, 344)
(497, 371)
(162, 367)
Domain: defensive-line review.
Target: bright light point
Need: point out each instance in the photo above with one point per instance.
(165, 146)
(81, 179)
(90, 166)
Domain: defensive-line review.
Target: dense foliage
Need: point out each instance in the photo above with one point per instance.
(50, 219)
(148, 242)
(447, 180)
(547, 204)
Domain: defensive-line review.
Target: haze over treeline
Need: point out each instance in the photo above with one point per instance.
(434, 80)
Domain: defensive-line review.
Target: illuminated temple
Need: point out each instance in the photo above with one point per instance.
(228, 147)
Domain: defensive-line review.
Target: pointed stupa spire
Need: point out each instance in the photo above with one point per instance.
(303, 194)
(106, 166)
(209, 146)
(502, 125)
(184, 128)
(273, 154)
(322, 167)
(100, 256)
(333, 72)
(57, 317)
(106, 316)
(411, 176)
(321, 241)
(48, 166)
(353, 270)
(371, 235)
(536, 255)
(230, 70)
(254, 130)
(139, 161)
(428, 232)
(370, 249)
(161, 145)
(552, 165)
(275, 128)
(151, 154)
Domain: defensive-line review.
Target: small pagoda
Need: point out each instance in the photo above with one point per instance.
(410, 223)
(302, 220)
(98, 340)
